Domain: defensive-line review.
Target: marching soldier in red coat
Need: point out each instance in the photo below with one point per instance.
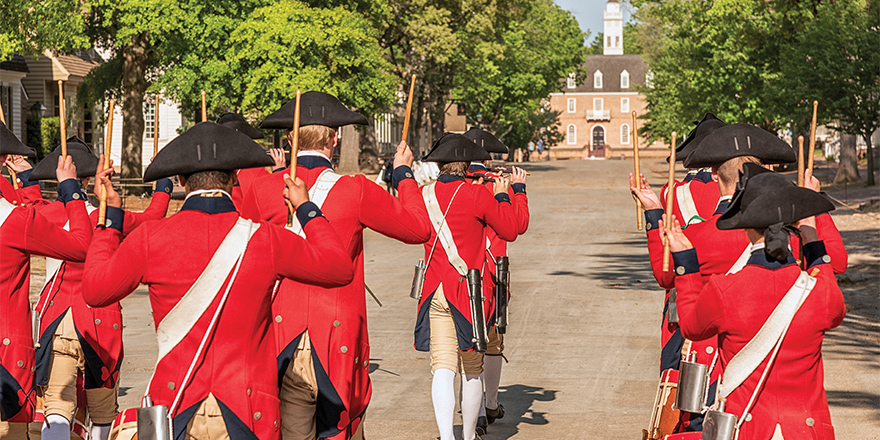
(790, 401)
(24, 232)
(211, 275)
(247, 176)
(496, 247)
(323, 345)
(460, 214)
(74, 336)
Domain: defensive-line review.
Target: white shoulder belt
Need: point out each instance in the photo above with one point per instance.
(317, 195)
(686, 204)
(442, 229)
(5, 209)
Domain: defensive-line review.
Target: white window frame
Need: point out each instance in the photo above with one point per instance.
(571, 81)
(150, 120)
(571, 134)
(597, 80)
(601, 106)
(625, 134)
(649, 79)
(624, 105)
(572, 105)
(624, 80)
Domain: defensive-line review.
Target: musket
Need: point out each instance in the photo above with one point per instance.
(294, 148)
(502, 283)
(475, 293)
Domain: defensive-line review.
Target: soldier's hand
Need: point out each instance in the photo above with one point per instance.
(278, 156)
(517, 175)
(502, 184)
(18, 163)
(66, 169)
(295, 192)
(645, 195)
(807, 228)
(103, 183)
(403, 156)
(98, 189)
(677, 240)
(811, 182)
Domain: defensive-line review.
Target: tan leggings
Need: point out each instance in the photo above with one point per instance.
(13, 431)
(299, 396)
(59, 395)
(445, 352)
(495, 347)
(207, 423)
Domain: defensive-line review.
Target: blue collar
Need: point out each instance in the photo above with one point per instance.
(477, 167)
(309, 162)
(211, 205)
(722, 206)
(759, 258)
(446, 178)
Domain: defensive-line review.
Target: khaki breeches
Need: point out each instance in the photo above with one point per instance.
(207, 423)
(13, 431)
(299, 396)
(445, 352)
(59, 395)
(495, 347)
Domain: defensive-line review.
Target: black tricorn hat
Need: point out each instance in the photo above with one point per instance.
(769, 198)
(486, 140)
(707, 125)
(9, 144)
(316, 108)
(453, 147)
(85, 160)
(237, 123)
(736, 140)
(207, 146)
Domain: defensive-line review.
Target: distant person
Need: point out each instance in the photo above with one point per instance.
(540, 146)
(530, 150)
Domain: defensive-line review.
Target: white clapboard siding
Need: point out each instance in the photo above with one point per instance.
(169, 121)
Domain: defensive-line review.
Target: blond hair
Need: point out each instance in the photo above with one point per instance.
(315, 137)
(728, 172)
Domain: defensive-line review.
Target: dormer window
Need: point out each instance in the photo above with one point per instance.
(597, 80)
(624, 80)
(571, 83)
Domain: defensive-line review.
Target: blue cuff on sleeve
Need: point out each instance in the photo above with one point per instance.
(164, 186)
(519, 188)
(686, 262)
(279, 169)
(115, 218)
(503, 197)
(69, 190)
(815, 254)
(653, 217)
(400, 173)
(307, 212)
(23, 177)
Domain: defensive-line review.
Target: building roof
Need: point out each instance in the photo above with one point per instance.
(78, 64)
(16, 64)
(611, 67)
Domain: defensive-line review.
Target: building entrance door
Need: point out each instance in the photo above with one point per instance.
(597, 147)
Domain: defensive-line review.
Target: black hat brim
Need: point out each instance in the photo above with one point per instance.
(770, 198)
(486, 140)
(453, 147)
(10, 144)
(83, 158)
(316, 108)
(237, 123)
(704, 128)
(736, 140)
(207, 146)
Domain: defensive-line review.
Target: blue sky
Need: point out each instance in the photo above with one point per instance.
(589, 13)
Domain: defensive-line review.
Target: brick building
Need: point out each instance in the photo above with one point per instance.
(596, 109)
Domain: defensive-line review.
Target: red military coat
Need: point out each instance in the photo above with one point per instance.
(168, 255)
(337, 318)
(25, 232)
(472, 210)
(99, 328)
(734, 308)
(246, 178)
(27, 193)
(701, 188)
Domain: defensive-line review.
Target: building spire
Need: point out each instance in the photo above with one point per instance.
(613, 44)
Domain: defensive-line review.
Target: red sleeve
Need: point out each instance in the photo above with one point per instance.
(157, 209)
(250, 204)
(319, 260)
(30, 194)
(405, 219)
(46, 239)
(828, 233)
(496, 213)
(112, 271)
(521, 207)
(666, 279)
(692, 296)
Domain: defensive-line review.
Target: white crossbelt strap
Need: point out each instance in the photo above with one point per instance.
(442, 229)
(686, 204)
(181, 319)
(317, 194)
(741, 261)
(750, 357)
(5, 209)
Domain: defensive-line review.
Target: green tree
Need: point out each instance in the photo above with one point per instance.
(836, 60)
(29, 27)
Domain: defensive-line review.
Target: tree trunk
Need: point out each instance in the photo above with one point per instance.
(349, 150)
(848, 171)
(134, 85)
(867, 138)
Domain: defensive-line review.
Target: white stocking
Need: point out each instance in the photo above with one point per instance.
(471, 400)
(100, 432)
(443, 395)
(492, 373)
(55, 427)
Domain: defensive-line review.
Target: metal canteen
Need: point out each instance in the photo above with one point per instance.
(692, 385)
(719, 425)
(153, 423)
(418, 281)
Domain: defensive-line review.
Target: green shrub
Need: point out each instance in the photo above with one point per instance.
(50, 134)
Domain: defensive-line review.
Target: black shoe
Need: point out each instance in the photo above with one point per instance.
(493, 414)
(482, 425)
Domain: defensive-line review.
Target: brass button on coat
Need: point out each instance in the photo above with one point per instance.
(344, 349)
(258, 415)
(810, 421)
(278, 318)
(336, 323)
(97, 322)
(170, 385)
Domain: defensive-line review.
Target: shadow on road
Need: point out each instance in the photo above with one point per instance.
(518, 400)
(623, 271)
